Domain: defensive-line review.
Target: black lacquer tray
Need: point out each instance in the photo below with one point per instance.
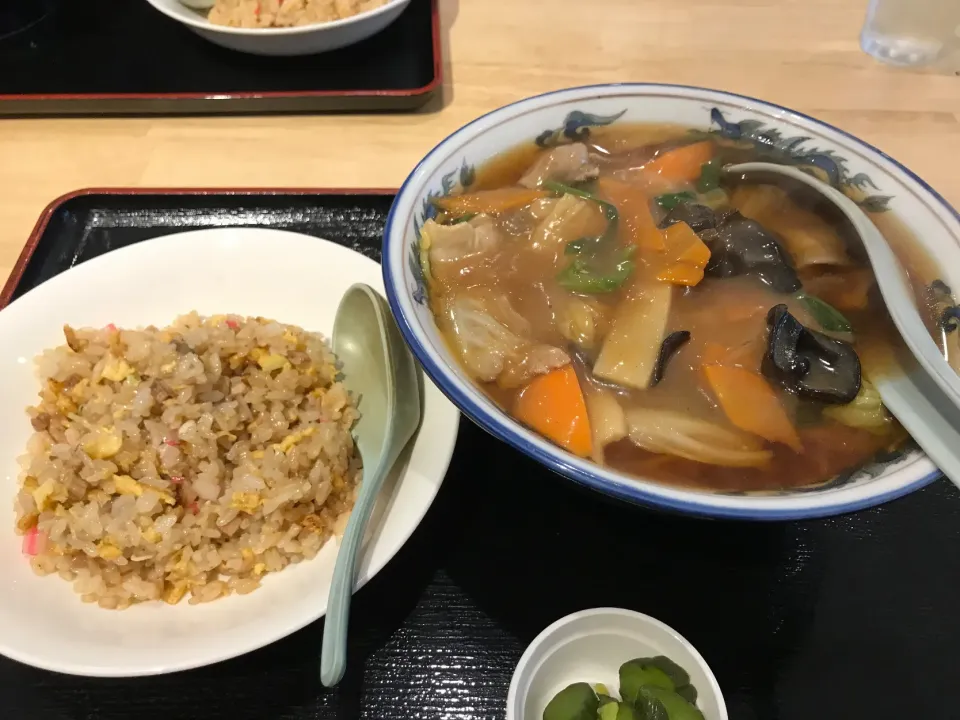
(70, 57)
(838, 619)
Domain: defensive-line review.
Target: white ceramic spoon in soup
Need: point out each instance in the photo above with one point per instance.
(926, 401)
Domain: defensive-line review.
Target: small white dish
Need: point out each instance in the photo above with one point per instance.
(293, 278)
(299, 40)
(590, 646)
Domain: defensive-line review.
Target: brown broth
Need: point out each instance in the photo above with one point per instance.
(728, 312)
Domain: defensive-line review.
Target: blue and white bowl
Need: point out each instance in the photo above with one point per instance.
(875, 180)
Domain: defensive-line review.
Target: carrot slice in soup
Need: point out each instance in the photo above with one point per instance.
(751, 404)
(554, 406)
(489, 201)
(681, 274)
(637, 226)
(689, 254)
(687, 245)
(682, 164)
(747, 355)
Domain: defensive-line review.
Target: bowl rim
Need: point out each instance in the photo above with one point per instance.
(634, 617)
(644, 492)
(193, 18)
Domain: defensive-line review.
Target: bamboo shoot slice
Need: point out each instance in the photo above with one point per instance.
(629, 352)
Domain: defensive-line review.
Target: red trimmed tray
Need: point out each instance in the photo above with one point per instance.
(86, 223)
(835, 619)
(68, 57)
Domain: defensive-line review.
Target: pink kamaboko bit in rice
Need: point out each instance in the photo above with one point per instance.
(191, 460)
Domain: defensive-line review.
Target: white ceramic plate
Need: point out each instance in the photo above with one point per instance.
(293, 278)
(299, 40)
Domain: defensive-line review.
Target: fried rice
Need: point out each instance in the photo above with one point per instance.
(286, 13)
(186, 461)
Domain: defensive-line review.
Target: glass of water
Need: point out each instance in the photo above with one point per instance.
(911, 33)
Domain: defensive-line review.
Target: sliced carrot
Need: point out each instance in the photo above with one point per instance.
(637, 225)
(681, 274)
(682, 164)
(751, 404)
(687, 256)
(684, 245)
(746, 355)
(697, 255)
(489, 201)
(553, 405)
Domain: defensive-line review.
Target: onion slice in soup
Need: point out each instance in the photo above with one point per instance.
(674, 433)
(608, 423)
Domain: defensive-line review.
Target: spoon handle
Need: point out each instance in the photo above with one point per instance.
(333, 655)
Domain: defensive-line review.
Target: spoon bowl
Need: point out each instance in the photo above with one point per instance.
(926, 399)
(381, 373)
(198, 4)
(891, 278)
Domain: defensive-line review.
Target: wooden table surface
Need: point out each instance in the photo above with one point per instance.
(800, 53)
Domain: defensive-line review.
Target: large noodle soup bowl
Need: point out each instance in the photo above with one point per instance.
(844, 161)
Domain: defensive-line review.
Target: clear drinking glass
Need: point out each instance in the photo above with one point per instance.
(911, 33)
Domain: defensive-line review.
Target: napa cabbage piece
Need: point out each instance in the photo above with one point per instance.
(865, 412)
(494, 341)
(669, 432)
(454, 250)
(569, 219)
(522, 222)
(581, 320)
(541, 209)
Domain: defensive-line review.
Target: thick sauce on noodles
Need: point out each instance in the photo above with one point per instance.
(509, 273)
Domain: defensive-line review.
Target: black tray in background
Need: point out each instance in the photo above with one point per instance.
(122, 56)
(837, 619)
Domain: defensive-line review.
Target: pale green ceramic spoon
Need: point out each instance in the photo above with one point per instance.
(380, 372)
(198, 4)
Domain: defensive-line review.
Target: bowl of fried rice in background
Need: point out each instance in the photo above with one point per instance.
(307, 39)
(236, 279)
